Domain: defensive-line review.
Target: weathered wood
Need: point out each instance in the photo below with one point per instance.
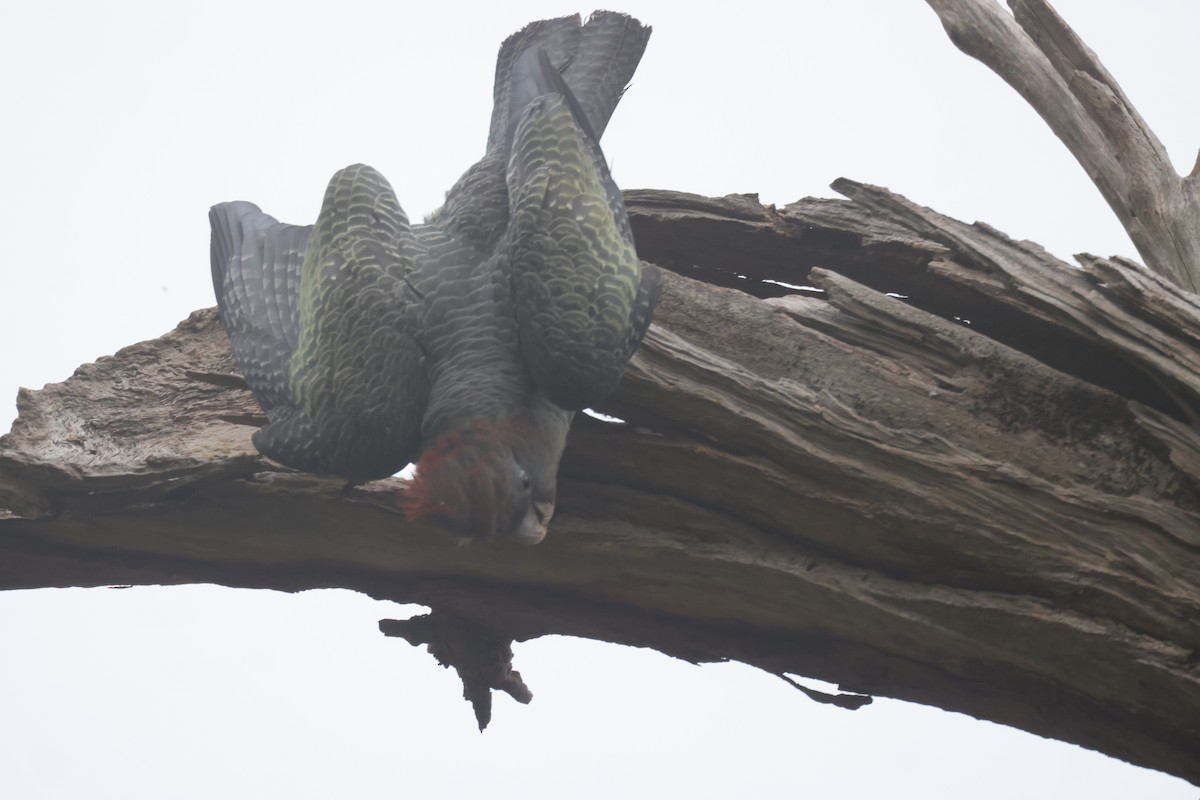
(829, 482)
(1037, 53)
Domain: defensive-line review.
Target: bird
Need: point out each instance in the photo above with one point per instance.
(465, 343)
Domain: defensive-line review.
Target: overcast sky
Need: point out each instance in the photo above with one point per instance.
(122, 122)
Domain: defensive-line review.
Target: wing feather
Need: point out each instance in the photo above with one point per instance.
(323, 321)
(582, 299)
(255, 276)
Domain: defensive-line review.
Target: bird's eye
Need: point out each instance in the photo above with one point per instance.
(524, 476)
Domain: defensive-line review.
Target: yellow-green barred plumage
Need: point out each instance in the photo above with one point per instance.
(574, 265)
(465, 342)
(357, 361)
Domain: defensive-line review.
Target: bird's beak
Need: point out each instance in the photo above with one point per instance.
(533, 527)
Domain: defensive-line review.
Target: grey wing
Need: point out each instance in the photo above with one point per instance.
(256, 264)
(581, 296)
(348, 396)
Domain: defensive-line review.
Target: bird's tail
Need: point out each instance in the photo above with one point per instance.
(596, 59)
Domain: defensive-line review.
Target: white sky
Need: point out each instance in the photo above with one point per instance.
(123, 121)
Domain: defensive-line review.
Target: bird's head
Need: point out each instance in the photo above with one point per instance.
(490, 478)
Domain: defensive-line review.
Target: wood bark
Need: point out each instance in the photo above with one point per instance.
(952, 470)
(1036, 52)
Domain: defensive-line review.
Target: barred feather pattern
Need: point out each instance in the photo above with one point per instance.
(466, 342)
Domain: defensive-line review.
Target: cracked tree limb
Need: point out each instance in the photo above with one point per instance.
(984, 496)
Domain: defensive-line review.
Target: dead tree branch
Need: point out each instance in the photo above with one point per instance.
(956, 471)
(1038, 54)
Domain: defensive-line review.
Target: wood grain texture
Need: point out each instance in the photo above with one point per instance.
(952, 470)
(1036, 52)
